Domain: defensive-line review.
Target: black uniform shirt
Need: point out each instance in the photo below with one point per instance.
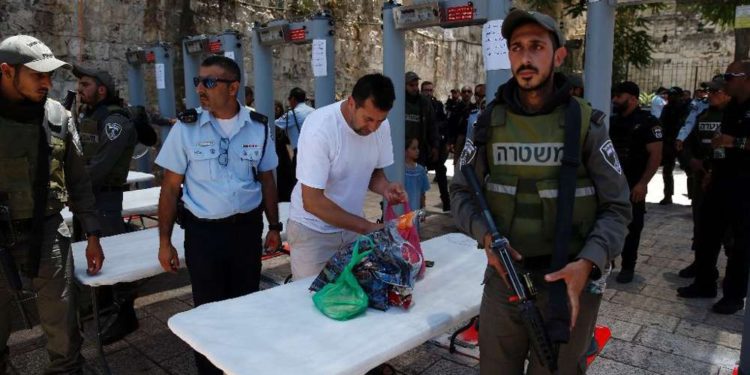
(736, 122)
(630, 135)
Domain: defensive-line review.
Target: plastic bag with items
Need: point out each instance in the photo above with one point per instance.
(385, 274)
(344, 299)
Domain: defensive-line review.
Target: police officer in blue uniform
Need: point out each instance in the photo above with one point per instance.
(224, 156)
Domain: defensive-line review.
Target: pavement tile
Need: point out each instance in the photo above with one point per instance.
(417, 360)
(688, 347)
(30, 362)
(638, 316)
(147, 327)
(161, 346)
(711, 334)
(446, 367)
(131, 361)
(669, 294)
(732, 323)
(671, 263)
(604, 366)
(183, 364)
(654, 360)
(166, 309)
(620, 329)
(652, 304)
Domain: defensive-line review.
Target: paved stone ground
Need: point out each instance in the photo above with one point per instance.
(654, 332)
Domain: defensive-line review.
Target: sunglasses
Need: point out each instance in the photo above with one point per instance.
(210, 82)
(466, 91)
(730, 76)
(224, 155)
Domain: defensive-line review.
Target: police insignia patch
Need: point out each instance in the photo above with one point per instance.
(610, 156)
(113, 130)
(468, 153)
(657, 132)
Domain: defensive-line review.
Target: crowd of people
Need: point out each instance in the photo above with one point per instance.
(566, 190)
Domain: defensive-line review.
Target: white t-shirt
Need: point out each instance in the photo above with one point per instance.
(229, 126)
(332, 157)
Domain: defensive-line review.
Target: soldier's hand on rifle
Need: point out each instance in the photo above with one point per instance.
(494, 261)
(94, 255)
(576, 276)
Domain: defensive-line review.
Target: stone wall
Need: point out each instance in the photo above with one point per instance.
(99, 32)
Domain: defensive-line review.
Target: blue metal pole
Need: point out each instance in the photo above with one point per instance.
(165, 95)
(190, 69)
(321, 27)
(137, 96)
(496, 10)
(263, 73)
(600, 39)
(232, 44)
(393, 67)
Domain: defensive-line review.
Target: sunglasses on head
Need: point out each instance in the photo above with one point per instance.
(731, 76)
(210, 82)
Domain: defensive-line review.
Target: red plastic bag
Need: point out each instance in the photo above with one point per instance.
(407, 228)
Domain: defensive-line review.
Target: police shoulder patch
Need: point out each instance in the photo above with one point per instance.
(656, 130)
(255, 116)
(113, 130)
(610, 156)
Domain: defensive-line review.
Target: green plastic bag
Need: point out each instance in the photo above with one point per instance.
(344, 299)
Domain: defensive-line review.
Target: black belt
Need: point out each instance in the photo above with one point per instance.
(109, 189)
(236, 218)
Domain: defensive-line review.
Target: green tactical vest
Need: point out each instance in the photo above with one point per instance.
(524, 155)
(91, 140)
(18, 157)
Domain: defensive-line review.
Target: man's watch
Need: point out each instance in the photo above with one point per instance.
(277, 227)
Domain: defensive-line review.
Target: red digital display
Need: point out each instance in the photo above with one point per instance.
(459, 13)
(296, 35)
(215, 46)
(150, 57)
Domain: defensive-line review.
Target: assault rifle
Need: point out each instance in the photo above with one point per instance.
(522, 284)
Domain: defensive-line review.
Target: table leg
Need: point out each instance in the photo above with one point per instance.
(98, 327)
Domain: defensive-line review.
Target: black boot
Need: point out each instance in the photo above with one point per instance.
(688, 272)
(625, 276)
(446, 204)
(123, 324)
(666, 201)
(697, 291)
(728, 306)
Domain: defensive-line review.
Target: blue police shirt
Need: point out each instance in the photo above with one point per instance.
(292, 124)
(212, 190)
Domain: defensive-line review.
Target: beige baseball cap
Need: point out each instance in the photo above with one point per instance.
(31, 52)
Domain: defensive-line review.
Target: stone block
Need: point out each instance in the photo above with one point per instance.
(652, 304)
(635, 315)
(687, 347)
(709, 334)
(654, 360)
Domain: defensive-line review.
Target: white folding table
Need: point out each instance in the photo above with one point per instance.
(279, 330)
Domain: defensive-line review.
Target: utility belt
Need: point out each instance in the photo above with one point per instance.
(241, 218)
(109, 189)
(540, 264)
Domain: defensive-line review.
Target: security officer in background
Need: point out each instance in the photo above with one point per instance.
(41, 170)
(292, 121)
(519, 142)
(108, 137)
(637, 137)
(420, 122)
(699, 154)
(224, 157)
(672, 118)
(726, 205)
(427, 90)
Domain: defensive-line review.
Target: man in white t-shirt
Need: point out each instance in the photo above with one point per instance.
(342, 151)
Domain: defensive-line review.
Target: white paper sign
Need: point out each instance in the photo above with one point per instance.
(159, 71)
(229, 54)
(319, 63)
(494, 46)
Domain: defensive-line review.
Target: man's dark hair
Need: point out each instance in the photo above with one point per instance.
(454, 91)
(298, 94)
(249, 91)
(229, 66)
(377, 87)
(425, 83)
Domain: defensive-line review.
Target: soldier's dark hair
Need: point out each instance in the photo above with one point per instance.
(229, 66)
(425, 83)
(377, 87)
(298, 94)
(249, 91)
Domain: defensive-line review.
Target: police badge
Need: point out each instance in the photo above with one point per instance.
(113, 130)
(468, 153)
